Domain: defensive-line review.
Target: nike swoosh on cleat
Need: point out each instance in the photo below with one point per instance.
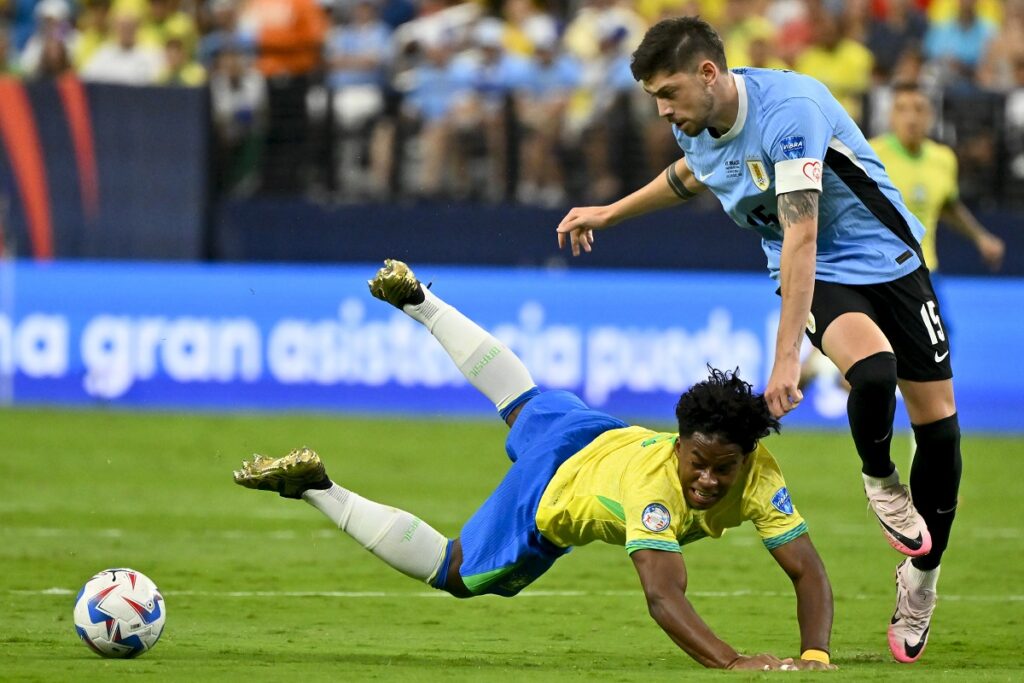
(914, 650)
(912, 543)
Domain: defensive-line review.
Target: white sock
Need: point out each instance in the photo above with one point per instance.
(489, 365)
(922, 579)
(881, 482)
(403, 541)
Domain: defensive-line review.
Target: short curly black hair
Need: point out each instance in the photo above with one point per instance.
(725, 406)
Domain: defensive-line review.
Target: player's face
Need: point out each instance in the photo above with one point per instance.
(683, 98)
(911, 117)
(708, 468)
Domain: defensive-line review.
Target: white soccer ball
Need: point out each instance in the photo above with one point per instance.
(120, 613)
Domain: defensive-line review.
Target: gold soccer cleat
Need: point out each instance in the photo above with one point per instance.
(289, 476)
(396, 284)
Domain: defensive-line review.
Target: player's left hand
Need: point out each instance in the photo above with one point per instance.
(992, 250)
(783, 392)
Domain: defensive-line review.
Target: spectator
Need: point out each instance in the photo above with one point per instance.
(358, 52)
(238, 96)
(430, 91)
(288, 36)
(842, 64)
(956, 46)
(23, 21)
(603, 101)
(93, 30)
(122, 59)
(902, 28)
(222, 33)
(1005, 49)
(53, 22)
(494, 78)
(7, 66)
(181, 67)
(581, 37)
(165, 21)
(740, 26)
(54, 60)
(1014, 135)
(524, 20)
(549, 85)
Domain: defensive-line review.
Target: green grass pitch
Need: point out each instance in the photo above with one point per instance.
(259, 588)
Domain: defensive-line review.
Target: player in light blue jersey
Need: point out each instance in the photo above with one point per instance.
(787, 162)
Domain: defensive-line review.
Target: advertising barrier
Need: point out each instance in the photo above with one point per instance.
(224, 337)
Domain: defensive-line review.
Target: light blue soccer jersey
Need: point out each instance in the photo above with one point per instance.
(791, 134)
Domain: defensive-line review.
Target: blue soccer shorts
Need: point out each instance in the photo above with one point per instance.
(502, 549)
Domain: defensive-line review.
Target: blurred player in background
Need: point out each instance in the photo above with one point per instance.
(578, 476)
(787, 161)
(925, 173)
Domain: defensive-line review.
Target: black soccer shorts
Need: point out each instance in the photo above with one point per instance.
(907, 312)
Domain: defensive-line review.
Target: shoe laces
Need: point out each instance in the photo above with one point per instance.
(895, 503)
(916, 605)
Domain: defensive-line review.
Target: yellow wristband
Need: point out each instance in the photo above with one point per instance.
(816, 656)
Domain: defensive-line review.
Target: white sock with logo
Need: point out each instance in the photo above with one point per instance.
(488, 364)
(400, 539)
(925, 579)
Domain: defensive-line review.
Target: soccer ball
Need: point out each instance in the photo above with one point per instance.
(119, 613)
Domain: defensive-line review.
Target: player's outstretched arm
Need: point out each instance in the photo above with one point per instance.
(674, 186)
(991, 248)
(663, 576)
(803, 565)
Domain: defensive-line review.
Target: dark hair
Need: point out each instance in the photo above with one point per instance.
(907, 86)
(725, 406)
(673, 45)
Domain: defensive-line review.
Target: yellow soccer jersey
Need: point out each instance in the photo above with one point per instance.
(624, 489)
(927, 181)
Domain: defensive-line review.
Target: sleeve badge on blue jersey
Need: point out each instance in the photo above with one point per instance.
(792, 147)
(656, 517)
(782, 502)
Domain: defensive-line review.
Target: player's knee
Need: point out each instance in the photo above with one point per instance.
(940, 437)
(874, 375)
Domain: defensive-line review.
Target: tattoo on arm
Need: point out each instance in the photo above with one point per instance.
(797, 206)
(676, 183)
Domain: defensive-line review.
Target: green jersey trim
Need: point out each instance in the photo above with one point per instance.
(614, 507)
(650, 544)
(775, 541)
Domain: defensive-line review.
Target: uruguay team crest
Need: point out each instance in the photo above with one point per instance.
(782, 502)
(758, 174)
(656, 517)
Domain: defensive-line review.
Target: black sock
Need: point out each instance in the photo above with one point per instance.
(871, 408)
(935, 482)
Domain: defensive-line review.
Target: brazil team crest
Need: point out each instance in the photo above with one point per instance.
(782, 502)
(759, 174)
(656, 517)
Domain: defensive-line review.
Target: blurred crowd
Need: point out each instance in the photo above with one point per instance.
(513, 100)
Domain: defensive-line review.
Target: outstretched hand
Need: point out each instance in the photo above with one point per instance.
(579, 226)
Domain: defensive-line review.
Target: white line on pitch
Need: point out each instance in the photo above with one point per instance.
(527, 594)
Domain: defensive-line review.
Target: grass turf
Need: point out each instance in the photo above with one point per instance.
(260, 588)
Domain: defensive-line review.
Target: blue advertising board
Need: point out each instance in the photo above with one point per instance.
(231, 337)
